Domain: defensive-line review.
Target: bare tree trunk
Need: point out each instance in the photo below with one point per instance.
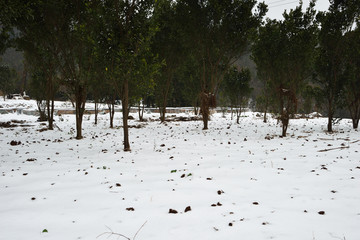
(111, 106)
(265, 118)
(330, 116)
(354, 109)
(80, 99)
(41, 111)
(285, 124)
(139, 111)
(96, 110)
(162, 111)
(50, 113)
(196, 110)
(142, 111)
(284, 116)
(238, 113)
(50, 96)
(329, 125)
(125, 103)
(205, 111)
(355, 123)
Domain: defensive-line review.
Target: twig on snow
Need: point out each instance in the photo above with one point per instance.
(112, 233)
(329, 149)
(139, 230)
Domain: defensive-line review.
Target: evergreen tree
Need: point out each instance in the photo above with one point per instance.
(217, 33)
(283, 54)
(237, 89)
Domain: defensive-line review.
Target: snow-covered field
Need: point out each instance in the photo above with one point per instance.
(240, 181)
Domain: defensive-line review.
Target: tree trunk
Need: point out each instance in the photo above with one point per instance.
(139, 112)
(41, 111)
(50, 113)
(96, 111)
(265, 118)
(284, 127)
(330, 115)
(284, 116)
(329, 125)
(125, 103)
(196, 110)
(238, 113)
(205, 120)
(162, 113)
(50, 96)
(111, 107)
(142, 112)
(205, 111)
(80, 99)
(354, 109)
(355, 123)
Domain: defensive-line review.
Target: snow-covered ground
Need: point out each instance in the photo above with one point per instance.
(240, 181)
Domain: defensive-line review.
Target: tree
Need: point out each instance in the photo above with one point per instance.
(167, 45)
(329, 65)
(188, 75)
(59, 31)
(124, 40)
(266, 99)
(351, 76)
(217, 34)
(38, 92)
(283, 53)
(237, 88)
(42, 66)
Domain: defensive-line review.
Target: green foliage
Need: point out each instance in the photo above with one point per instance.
(237, 86)
(330, 61)
(7, 79)
(351, 75)
(284, 53)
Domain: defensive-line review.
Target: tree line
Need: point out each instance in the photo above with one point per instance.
(141, 50)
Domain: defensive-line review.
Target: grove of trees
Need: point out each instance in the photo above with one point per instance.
(136, 50)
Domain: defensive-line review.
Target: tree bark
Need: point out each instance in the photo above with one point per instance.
(284, 116)
(265, 118)
(354, 109)
(355, 123)
(41, 111)
(96, 110)
(50, 113)
(80, 99)
(111, 106)
(162, 111)
(205, 111)
(238, 113)
(50, 98)
(330, 117)
(139, 111)
(284, 127)
(125, 110)
(196, 110)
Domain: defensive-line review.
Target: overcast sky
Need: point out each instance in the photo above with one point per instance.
(277, 7)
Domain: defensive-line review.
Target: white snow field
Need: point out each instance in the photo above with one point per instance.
(241, 181)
